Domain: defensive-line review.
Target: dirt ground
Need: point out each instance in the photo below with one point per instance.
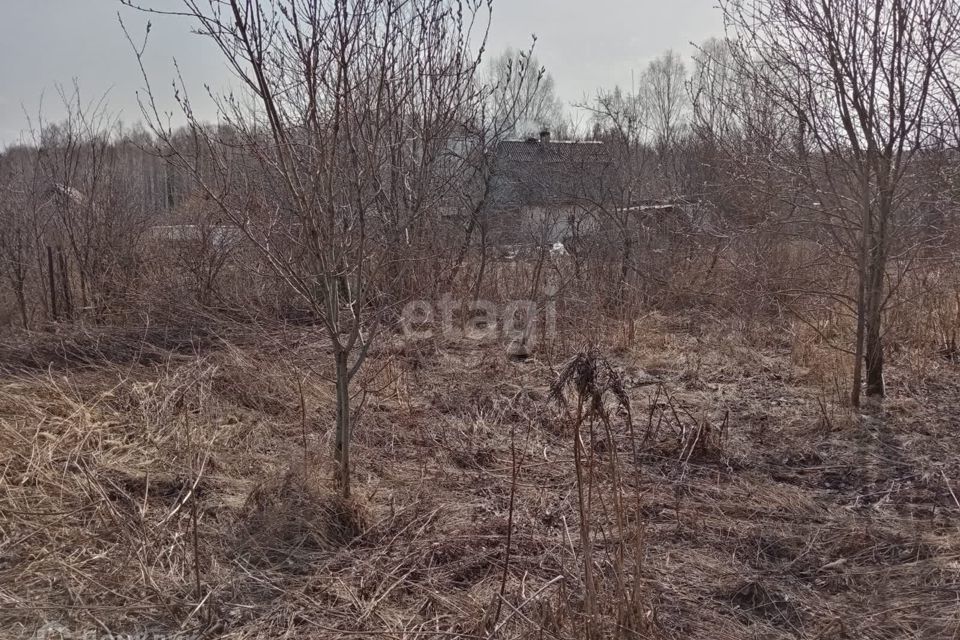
(173, 483)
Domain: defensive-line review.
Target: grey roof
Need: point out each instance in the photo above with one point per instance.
(534, 172)
(535, 151)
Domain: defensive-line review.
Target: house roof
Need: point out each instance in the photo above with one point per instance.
(535, 151)
(535, 171)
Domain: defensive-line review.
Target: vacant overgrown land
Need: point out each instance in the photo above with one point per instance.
(387, 341)
(179, 482)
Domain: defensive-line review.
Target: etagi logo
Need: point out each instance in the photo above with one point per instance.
(58, 631)
(510, 321)
(52, 631)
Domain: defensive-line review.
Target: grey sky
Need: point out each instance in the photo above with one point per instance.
(585, 44)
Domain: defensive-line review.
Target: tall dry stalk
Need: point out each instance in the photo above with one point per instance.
(594, 382)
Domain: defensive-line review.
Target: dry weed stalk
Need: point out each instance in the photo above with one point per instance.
(600, 394)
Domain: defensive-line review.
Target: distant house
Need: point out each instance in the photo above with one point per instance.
(540, 186)
(63, 197)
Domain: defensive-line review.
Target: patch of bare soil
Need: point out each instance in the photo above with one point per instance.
(186, 493)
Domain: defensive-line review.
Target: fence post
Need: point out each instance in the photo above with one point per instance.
(65, 283)
(53, 284)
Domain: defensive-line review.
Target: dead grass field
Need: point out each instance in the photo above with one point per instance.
(789, 518)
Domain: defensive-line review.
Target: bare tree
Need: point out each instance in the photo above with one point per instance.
(82, 186)
(523, 94)
(860, 79)
(664, 89)
(341, 151)
(622, 122)
(18, 231)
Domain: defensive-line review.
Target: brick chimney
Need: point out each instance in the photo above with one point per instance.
(544, 136)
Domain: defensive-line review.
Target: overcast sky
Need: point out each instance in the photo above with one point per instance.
(585, 44)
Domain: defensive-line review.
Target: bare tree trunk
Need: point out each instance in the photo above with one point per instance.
(22, 303)
(84, 303)
(343, 423)
(625, 262)
(18, 277)
(858, 348)
(874, 319)
(462, 251)
(874, 353)
(866, 231)
(478, 285)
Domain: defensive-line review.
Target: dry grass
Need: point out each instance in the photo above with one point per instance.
(180, 493)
